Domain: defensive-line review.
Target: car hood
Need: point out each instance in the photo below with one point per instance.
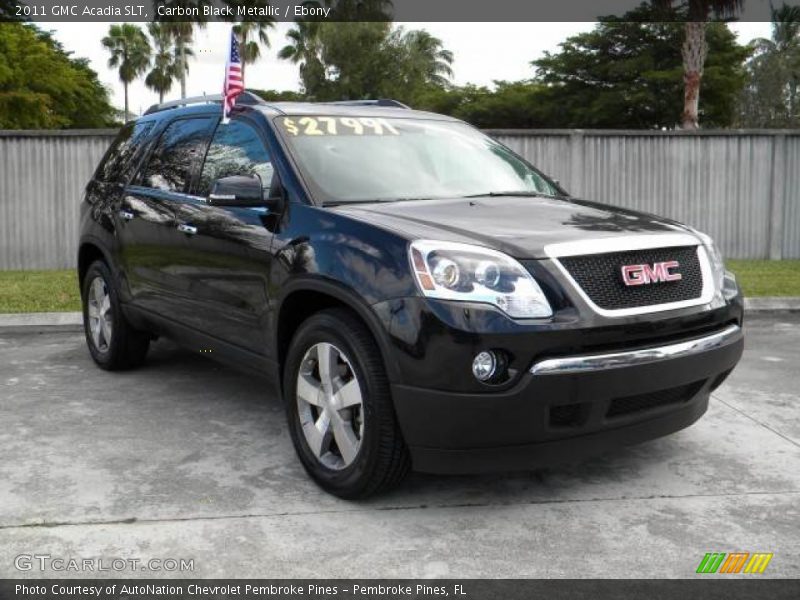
(518, 226)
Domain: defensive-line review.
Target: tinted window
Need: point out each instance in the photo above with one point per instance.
(118, 162)
(235, 150)
(176, 155)
(367, 158)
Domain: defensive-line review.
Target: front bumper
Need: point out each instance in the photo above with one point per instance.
(567, 408)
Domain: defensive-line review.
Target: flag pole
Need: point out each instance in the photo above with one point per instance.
(224, 105)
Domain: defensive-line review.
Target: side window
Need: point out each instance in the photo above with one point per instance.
(177, 154)
(236, 149)
(118, 163)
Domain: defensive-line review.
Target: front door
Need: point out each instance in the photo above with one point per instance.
(227, 250)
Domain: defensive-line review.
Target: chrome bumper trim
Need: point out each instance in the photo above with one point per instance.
(596, 362)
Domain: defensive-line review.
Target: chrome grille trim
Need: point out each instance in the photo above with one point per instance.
(628, 243)
(621, 244)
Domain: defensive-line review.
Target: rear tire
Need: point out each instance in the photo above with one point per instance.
(113, 343)
(340, 410)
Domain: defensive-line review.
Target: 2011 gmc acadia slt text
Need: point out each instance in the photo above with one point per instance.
(418, 294)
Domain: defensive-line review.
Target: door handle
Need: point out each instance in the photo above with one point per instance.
(187, 229)
(127, 215)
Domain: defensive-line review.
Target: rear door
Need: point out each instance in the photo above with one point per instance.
(150, 244)
(225, 257)
(106, 189)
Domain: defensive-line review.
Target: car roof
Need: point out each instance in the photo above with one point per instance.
(355, 110)
(273, 109)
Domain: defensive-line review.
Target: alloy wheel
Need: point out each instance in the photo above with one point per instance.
(330, 404)
(100, 314)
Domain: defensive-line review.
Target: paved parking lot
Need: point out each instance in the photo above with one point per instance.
(188, 459)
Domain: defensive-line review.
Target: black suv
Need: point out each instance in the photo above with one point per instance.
(417, 293)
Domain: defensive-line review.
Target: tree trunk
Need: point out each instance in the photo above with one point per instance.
(694, 57)
(125, 88)
(161, 97)
(182, 67)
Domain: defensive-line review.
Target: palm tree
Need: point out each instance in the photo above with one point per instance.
(130, 51)
(304, 49)
(182, 33)
(695, 49)
(252, 34)
(164, 69)
(428, 57)
(301, 46)
(251, 48)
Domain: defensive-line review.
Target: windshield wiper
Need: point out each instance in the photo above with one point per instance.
(521, 193)
(374, 200)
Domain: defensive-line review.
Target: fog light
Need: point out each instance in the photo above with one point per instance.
(484, 366)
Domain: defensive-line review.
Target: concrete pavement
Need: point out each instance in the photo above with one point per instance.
(187, 459)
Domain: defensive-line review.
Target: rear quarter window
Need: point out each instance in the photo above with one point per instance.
(119, 161)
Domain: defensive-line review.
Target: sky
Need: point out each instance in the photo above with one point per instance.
(483, 52)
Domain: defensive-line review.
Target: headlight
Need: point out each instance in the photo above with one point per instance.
(453, 271)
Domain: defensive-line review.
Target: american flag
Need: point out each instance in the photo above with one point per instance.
(234, 78)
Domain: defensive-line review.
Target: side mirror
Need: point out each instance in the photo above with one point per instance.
(242, 191)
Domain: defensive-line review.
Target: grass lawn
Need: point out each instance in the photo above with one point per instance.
(767, 277)
(53, 291)
(39, 291)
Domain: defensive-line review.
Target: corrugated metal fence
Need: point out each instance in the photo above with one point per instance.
(42, 176)
(742, 187)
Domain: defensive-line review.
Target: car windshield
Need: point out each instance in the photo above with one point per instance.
(365, 159)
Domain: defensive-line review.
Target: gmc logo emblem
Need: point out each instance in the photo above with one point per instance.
(646, 274)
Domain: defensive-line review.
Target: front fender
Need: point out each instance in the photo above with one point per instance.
(357, 264)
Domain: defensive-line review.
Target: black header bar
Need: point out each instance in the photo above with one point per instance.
(339, 10)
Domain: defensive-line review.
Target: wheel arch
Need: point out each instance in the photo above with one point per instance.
(307, 296)
(89, 251)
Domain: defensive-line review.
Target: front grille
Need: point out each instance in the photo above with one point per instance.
(600, 277)
(633, 404)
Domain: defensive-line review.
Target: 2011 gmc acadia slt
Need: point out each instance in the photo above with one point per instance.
(418, 294)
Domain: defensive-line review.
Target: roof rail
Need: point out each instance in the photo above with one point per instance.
(248, 98)
(378, 102)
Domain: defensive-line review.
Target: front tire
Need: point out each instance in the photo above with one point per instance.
(340, 409)
(113, 343)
